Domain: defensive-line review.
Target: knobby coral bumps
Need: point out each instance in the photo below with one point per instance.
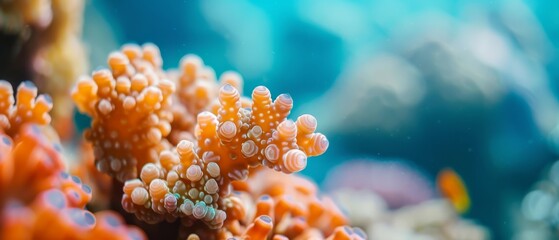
(285, 207)
(130, 108)
(29, 108)
(40, 40)
(38, 199)
(192, 180)
(188, 147)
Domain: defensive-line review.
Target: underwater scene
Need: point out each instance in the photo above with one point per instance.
(273, 120)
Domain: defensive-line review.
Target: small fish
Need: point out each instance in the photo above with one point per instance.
(452, 187)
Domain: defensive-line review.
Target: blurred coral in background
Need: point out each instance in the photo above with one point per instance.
(41, 40)
(398, 202)
(398, 183)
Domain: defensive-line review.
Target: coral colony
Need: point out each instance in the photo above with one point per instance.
(188, 157)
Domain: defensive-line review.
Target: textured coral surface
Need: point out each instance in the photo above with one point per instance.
(38, 199)
(192, 156)
(129, 105)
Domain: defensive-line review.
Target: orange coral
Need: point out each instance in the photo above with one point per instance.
(38, 199)
(181, 152)
(99, 182)
(283, 206)
(197, 89)
(50, 216)
(192, 181)
(27, 109)
(48, 42)
(35, 158)
(129, 105)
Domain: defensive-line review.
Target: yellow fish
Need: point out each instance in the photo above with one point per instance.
(452, 187)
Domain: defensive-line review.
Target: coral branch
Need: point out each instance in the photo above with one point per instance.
(129, 106)
(197, 89)
(192, 182)
(38, 199)
(26, 107)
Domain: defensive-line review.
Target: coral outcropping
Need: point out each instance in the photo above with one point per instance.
(183, 144)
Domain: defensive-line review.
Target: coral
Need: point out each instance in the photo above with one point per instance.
(38, 199)
(40, 41)
(129, 105)
(29, 108)
(432, 219)
(396, 181)
(61, 47)
(197, 90)
(397, 201)
(285, 207)
(184, 144)
(50, 215)
(85, 169)
(19, 14)
(192, 181)
(537, 213)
